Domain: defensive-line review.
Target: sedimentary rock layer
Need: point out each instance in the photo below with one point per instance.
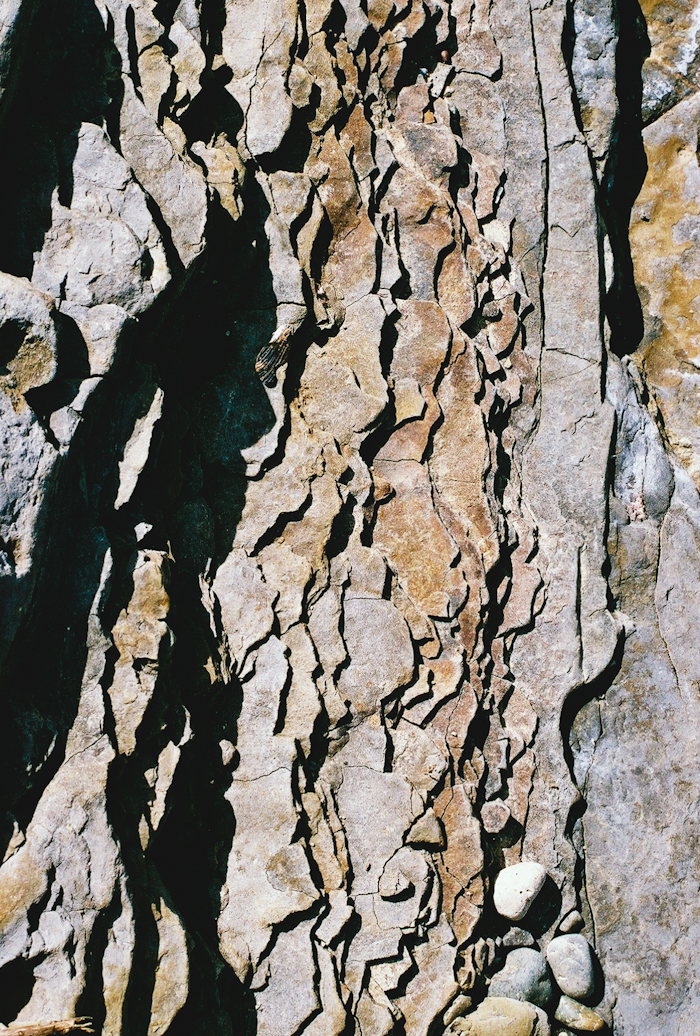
(350, 531)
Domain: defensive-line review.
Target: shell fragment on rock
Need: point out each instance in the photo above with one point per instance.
(273, 355)
(517, 887)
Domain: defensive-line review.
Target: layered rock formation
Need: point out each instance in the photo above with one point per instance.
(350, 524)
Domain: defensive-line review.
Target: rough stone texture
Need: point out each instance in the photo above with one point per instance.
(349, 518)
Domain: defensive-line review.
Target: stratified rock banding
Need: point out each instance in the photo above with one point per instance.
(349, 520)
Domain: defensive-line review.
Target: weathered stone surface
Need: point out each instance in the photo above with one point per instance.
(344, 549)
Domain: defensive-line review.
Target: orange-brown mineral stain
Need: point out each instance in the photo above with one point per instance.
(665, 245)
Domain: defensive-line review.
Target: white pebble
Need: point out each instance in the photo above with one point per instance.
(517, 887)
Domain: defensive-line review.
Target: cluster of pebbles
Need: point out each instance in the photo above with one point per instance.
(533, 987)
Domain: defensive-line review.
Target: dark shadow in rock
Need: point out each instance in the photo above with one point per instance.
(215, 406)
(293, 150)
(16, 985)
(544, 911)
(213, 110)
(91, 1001)
(201, 348)
(623, 177)
(191, 847)
(67, 77)
(73, 366)
(598, 993)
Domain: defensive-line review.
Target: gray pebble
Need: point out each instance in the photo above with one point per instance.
(524, 976)
(517, 937)
(571, 961)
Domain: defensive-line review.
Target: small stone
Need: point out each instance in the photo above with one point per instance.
(517, 937)
(572, 922)
(500, 1016)
(494, 816)
(524, 976)
(571, 961)
(517, 887)
(459, 1007)
(427, 831)
(578, 1017)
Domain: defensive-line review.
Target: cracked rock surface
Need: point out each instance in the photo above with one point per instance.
(349, 516)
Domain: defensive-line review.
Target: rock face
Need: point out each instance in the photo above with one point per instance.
(349, 515)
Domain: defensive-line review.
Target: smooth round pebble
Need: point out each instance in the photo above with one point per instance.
(524, 976)
(517, 887)
(572, 922)
(500, 1016)
(571, 961)
(577, 1017)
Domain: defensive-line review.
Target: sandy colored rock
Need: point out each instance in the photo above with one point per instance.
(499, 1016)
(348, 524)
(577, 1016)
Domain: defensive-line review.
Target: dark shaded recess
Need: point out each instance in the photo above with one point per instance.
(213, 110)
(573, 707)
(70, 74)
(72, 367)
(574, 703)
(204, 350)
(212, 19)
(199, 343)
(190, 850)
(623, 177)
(42, 674)
(214, 407)
(200, 348)
(293, 150)
(420, 56)
(11, 338)
(16, 985)
(91, 1003)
